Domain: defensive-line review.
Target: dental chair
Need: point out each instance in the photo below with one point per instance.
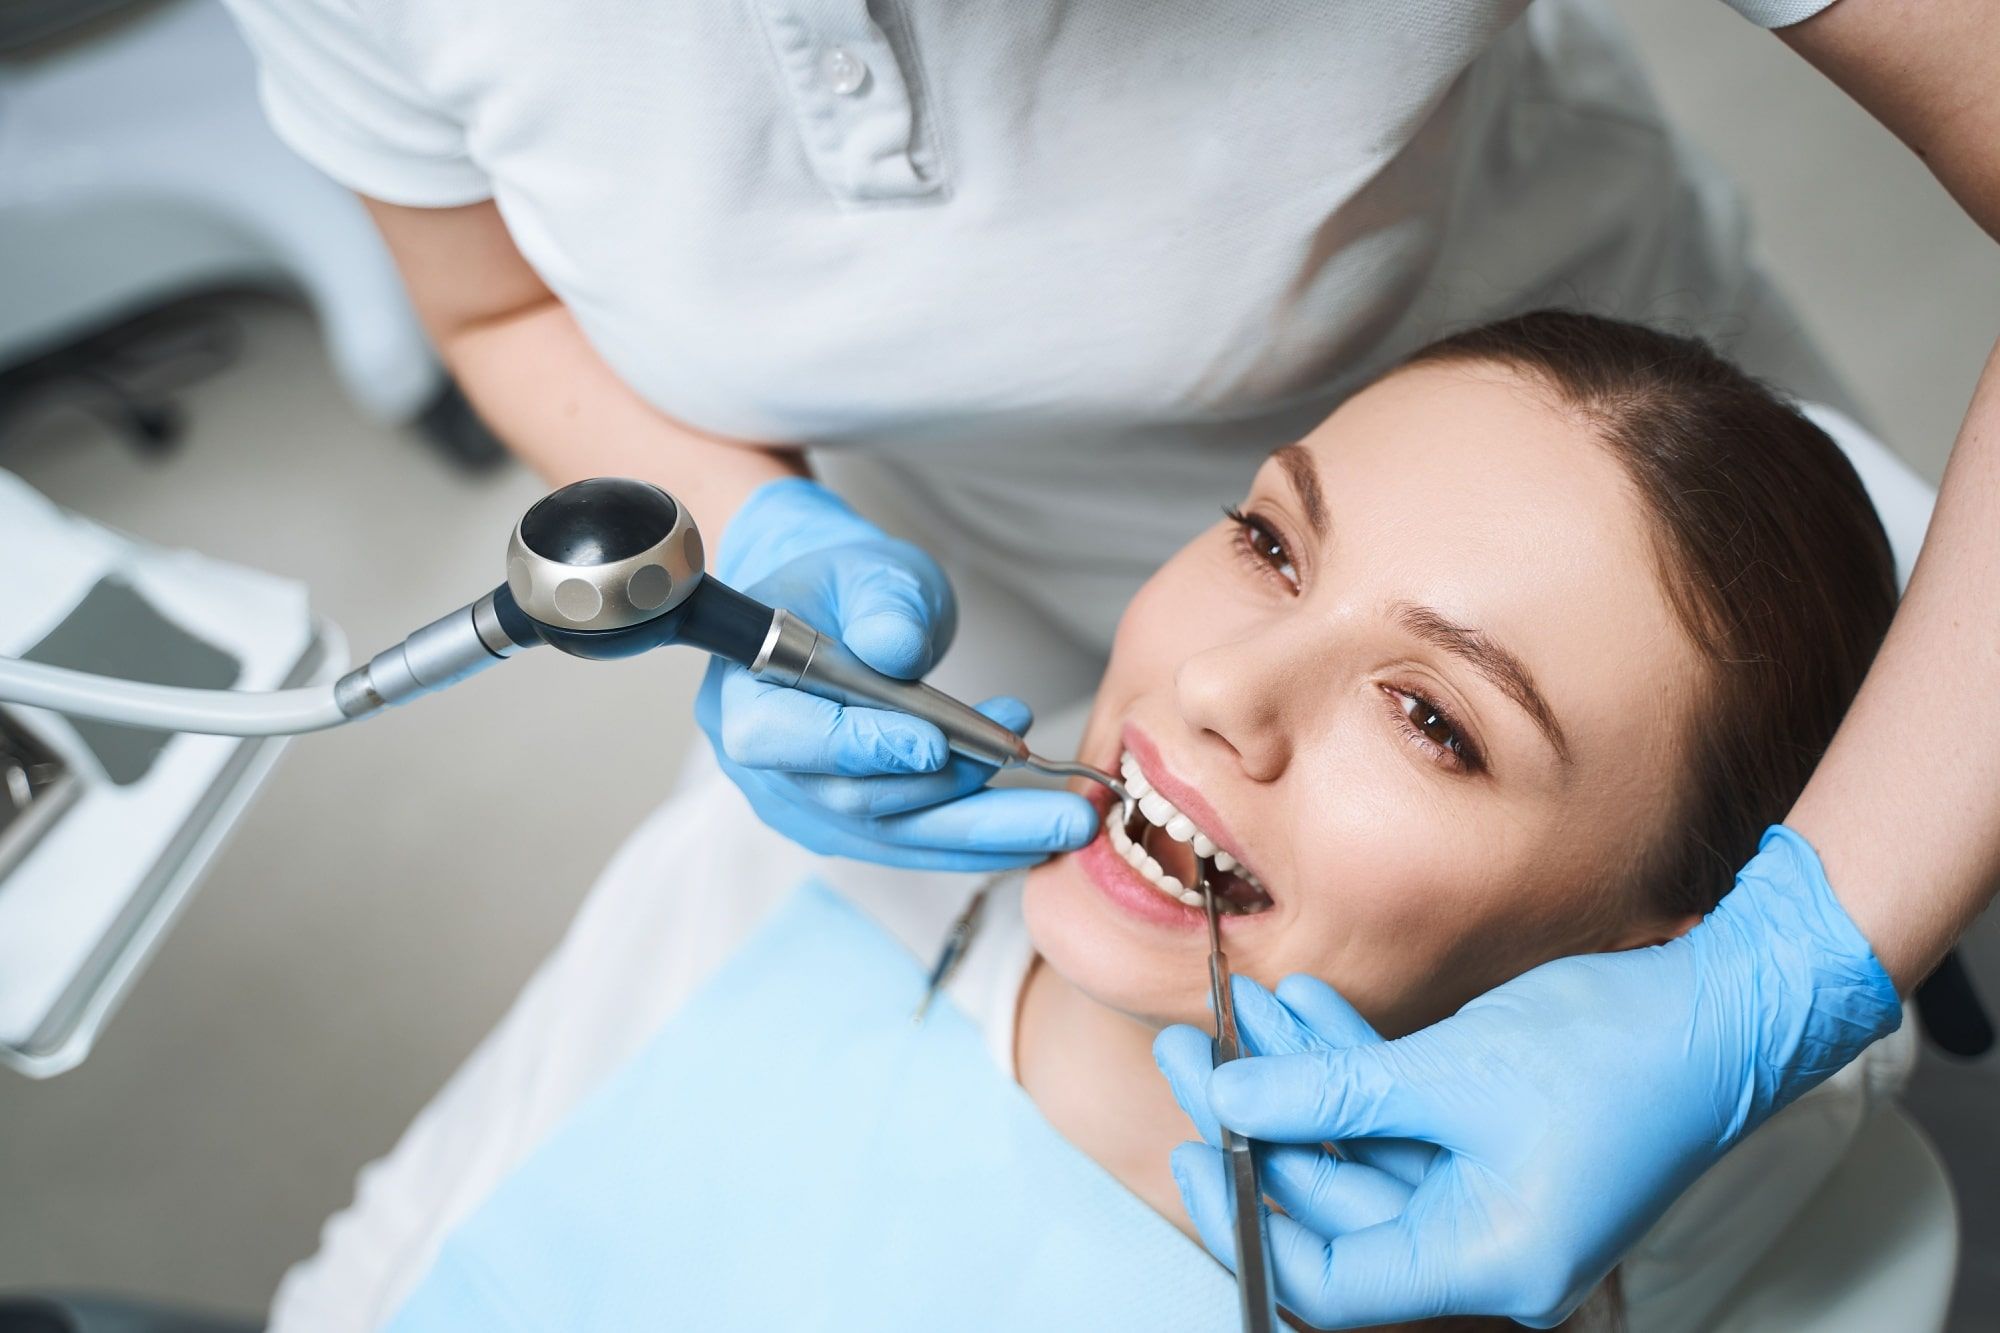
(1877, 1248)
(136, 168)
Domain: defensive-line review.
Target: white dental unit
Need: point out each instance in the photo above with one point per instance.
(104, 830)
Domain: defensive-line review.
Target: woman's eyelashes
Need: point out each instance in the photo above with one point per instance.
(1258, 539)
(1432, 730)
(1426, 725)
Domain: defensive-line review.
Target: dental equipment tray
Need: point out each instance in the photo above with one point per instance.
(103, 975)
(105, 831)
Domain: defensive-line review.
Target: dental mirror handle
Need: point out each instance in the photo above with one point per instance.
(1250, 1226)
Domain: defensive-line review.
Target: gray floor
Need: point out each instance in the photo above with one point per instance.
(397, 881)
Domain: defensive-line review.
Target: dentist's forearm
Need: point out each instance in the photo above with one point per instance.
(553, 400)
(1905, 808)
(535, 379)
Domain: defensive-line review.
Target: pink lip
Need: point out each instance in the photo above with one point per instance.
(1185, 798)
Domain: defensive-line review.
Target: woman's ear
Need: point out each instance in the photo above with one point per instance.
(1646, 934)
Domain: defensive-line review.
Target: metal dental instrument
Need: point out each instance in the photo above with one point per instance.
(956, 941)
(1251, 1228)
(604, 568)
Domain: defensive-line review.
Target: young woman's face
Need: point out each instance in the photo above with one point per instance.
(1427, 689)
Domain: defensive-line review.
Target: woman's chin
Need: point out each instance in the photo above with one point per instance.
(1151, 970)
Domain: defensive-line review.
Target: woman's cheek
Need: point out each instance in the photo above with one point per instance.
(1379, 947)
(1388, 902)
(1195, 600)
(1145, 630)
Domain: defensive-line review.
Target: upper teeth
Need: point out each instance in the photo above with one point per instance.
(1159, 811)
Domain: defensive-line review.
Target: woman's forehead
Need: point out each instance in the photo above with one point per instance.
(1472, 460)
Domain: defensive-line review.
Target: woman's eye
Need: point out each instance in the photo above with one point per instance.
(1261, 542)
(1435, 727)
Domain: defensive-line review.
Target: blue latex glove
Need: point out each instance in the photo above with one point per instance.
(869, 783)
(1569, 1106)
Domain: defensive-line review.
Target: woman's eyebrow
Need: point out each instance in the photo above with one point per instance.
(1297, 461)
(1507, 672)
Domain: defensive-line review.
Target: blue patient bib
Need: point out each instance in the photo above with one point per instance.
(790, 1152)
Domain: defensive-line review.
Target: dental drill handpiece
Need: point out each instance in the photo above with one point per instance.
(1250, 1225)
(604, 568)
(611, 567)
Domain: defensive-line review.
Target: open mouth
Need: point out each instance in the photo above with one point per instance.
(1162, 845)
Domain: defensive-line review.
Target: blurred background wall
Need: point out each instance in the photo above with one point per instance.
(397, 882)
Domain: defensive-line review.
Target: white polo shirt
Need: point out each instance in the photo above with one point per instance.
(1067, 270)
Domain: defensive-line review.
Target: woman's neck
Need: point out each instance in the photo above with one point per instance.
(1090, 1071)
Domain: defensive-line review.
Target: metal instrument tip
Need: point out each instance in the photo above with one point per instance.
(1076, 768)
(1204, 880)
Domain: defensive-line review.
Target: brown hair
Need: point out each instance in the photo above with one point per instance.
(1770, 553)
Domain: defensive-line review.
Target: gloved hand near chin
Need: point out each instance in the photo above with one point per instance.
(869, 783)
(1569, 1107)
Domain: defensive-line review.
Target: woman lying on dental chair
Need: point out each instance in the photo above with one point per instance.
(1425, 690)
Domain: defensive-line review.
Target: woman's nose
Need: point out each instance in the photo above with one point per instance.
(1246, 694)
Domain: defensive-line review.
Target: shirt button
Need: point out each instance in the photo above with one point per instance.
(844, 71)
